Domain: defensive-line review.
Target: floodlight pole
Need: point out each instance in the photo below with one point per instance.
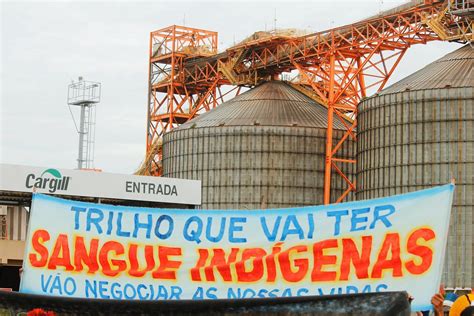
(86, 95)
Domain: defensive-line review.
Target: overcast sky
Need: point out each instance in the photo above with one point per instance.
(45, 45)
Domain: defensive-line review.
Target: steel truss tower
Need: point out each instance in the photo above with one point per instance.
(337, 67)
(172, 99)
(85, 94)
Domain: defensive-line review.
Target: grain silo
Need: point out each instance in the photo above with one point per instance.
(419, 133)
(263, 149)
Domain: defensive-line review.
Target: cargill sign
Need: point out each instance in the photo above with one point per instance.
(28, 179)
(50, 179)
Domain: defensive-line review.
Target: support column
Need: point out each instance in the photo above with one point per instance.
(328, 165)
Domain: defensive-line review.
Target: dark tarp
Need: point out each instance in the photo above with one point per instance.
(9, 277)
(387, 303)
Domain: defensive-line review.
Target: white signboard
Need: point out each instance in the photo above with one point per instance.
(99, 184)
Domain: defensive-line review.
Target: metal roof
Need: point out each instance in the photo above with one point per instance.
(453, 70)
(272, 103)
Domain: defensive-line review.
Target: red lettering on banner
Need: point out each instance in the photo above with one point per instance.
(424, 252)
(390, 245)
(300, 264)
(134, 264)
(165, 263)
(108, 263)
(223, 266)
(37, 240)
(88, 257)
(320, 260)
(61, 255)
(256, 273)
(270, 262)
(360, 260)
(328, 260)
(196, 271)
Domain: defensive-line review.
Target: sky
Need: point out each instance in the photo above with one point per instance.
(46, 45)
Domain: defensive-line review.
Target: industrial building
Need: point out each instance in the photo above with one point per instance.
(367, 140)
(419, 133)
(262, 149)
(265, 149)
(332, 133)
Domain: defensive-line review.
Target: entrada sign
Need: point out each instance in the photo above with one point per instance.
(18, 178)
(150, 188)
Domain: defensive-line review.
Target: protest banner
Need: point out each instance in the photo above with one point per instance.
(88, 250)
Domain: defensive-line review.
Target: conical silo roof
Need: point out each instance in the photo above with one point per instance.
(272, 103)
(454, 70)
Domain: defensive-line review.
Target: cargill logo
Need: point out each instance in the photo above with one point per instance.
(51, 180)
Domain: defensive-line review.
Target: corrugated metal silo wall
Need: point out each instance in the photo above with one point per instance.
(417, 139)
(251, 167)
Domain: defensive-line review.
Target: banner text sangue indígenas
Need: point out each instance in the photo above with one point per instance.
(396, 254)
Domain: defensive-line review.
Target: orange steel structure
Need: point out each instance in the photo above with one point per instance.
(172, 98)
(337, 67)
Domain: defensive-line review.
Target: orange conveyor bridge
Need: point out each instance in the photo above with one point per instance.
(336, 67)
